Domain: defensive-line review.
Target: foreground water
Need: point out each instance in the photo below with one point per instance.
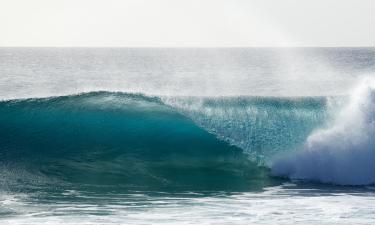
(289, 203)
(250, 140)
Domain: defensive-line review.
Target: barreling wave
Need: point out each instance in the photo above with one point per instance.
(137, 142)
(130, 141)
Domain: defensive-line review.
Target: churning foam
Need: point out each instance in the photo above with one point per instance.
(344, 153)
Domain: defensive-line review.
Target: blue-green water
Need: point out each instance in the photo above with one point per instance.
(218, 136)
(97, 147)
(134, 142)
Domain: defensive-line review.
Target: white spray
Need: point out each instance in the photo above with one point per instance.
(343, 153)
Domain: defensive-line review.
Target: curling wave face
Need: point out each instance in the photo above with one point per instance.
(131, 141)
(135, 142)
(186, 143)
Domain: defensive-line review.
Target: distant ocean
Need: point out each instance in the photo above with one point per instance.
(187, 136)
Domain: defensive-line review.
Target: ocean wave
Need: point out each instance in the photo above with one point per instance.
(134, 141)
(130, 141)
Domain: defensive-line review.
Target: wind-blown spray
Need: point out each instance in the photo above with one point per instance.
(343, 153)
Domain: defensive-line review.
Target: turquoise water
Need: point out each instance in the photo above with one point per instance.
(186, 136)
(135, 142)
(104, 148)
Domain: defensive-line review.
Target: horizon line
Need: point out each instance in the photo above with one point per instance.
(190, 47)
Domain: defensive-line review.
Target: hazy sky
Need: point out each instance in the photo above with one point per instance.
(187, 23)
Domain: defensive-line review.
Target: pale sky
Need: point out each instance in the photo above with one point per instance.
(187, 23)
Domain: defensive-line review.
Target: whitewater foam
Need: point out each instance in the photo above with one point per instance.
(284, 204)
(344, 153)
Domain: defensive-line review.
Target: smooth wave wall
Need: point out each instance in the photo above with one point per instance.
(125, 140)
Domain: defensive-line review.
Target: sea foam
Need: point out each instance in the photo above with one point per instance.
(343, 153)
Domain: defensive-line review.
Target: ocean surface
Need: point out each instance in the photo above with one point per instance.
(187, 136)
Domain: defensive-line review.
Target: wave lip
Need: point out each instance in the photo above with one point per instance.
(343, 153)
